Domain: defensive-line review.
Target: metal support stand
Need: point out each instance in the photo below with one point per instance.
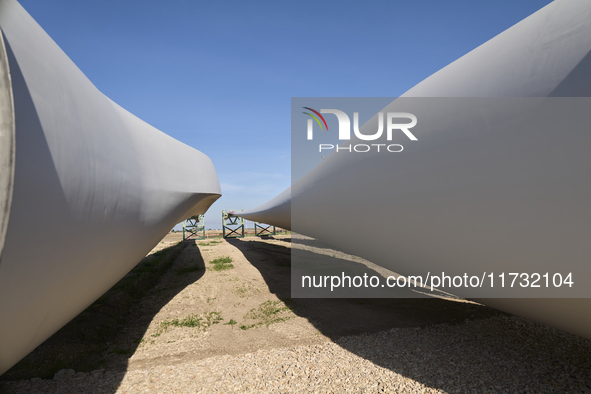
(232, 226)
(261, 229)
(194, 228)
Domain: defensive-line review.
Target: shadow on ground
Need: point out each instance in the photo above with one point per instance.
(336, 317)
(475, 341)
(102, 336)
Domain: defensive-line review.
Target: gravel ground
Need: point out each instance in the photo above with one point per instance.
(503, 354)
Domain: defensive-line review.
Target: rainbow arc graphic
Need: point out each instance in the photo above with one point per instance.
(315, 118)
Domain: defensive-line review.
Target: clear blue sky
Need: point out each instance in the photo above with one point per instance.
(219, 75)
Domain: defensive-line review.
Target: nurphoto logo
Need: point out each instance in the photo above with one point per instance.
(393, 125)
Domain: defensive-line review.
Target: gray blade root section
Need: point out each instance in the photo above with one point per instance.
(95, 188)
(545, 55)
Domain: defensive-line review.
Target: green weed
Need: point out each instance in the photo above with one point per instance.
(269, 312)
(244, 291)
(201, 322)
(232, 322)
(222, 263)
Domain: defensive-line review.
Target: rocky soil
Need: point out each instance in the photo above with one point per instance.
(216, 316)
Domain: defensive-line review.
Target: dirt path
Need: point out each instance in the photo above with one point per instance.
(179, 306)
(248, 307)
(239, 294)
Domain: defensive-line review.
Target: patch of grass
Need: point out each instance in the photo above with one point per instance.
(241, 291)
(244, 291)
(210, 243)
(232, 322)
(201, 322)
(269, 312)
(222, 263)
